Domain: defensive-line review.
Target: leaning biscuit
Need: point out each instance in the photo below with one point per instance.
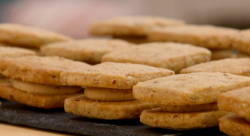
(106, 94)
(28, 36)
(105, 110)
(43, 70)
(15, 52)
(172, 56)
(181, 121)
(112, 75)
(188, 89)
(233, 66)
(87, 50)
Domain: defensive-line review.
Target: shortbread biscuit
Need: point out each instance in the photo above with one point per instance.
(234, 125)
(28, 36)
(131, 25)
(233, 66)
(105, 110)
(15, 52)
(237, 101)
(6, 89)
(112, 75)
(242, 42)
(88, 50)
(200, 35)
(190, 108)
(106, 94)
(188, 89)
(181, 121)
(34, 88)
(172, 56)
(43, 70)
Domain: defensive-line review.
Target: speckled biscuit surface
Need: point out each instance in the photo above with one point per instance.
(106, 94)
(237, 101)
(15, 52)
(190, 108)
(199, 35)
(172, 56)
(28, 36)
(242, 42)
(181, 121)
(112, 75)
(105, 110)
(131, 25)
(88, 50)
(234, 125)
(43, 70)
(188, 89)
(233, 66)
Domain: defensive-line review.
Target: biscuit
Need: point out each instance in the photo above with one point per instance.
(6, 89)
(172, 56)
(131, 25)
(181, 121)
(105, 110)
(242, 42)
(188, 89)
(28, 36)
(112, 75)
(34, 88)
(43, 70)
(190, 108)
(234, 125)
(106, 94)
(200, 35)
(87, 50)
(237, 101)
(233, 66)
(15, 52)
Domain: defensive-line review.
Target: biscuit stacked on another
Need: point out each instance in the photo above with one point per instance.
(108, 93)
(188, 101)
(36, 80)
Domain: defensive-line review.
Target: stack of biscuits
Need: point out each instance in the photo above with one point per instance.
(108, 93)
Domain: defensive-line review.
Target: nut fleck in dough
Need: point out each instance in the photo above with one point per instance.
(188, 89)
(87, 50)
(43, 70)
(15, 52)
(106, 110)
(112, 75)
(233, 66)
(181, 121)
(28, 36)
(131, 25)
(172, 56)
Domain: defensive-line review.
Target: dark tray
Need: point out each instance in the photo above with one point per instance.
(15, 113)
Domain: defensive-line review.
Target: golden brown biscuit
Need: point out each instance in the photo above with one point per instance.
(15, 52)
(106, 94)
(200, 35)
(6, 89)
(181, 121)
(131, 25)
(105, 110)
(28, 36)
(43, 70)
(233, 66)
(188, 89)
(88, 50)
(237, 101)
(172, 56)
(234, 125)
(112, 75)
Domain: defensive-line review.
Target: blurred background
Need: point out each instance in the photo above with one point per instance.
(72, 17)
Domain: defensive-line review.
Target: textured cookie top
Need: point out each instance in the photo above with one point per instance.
(200, 35)
(188, 89)
(112, 75)
(233, 66)
(28, 36)
(88, 50)
(172, 56)
(43, 70)
(15, 52)
(131, 25)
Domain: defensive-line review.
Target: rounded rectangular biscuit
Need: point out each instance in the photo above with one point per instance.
(188, 89)
(172, 56)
